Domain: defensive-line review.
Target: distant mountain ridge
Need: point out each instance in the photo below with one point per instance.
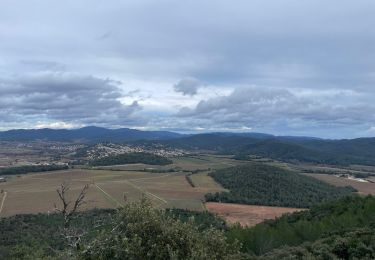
(88, 134)
(292, 149)
(241, 145)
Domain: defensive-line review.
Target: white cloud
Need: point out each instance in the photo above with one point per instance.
(56, 125)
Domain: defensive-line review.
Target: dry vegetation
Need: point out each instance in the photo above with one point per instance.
(362, 187)
(247, 215)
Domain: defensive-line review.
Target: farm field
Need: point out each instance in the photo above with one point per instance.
(362, 187)
(247, 215)
(34, 193)
(203, 181)
(353, 169)
(187, 163)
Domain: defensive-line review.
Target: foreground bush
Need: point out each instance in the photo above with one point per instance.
(142, 232)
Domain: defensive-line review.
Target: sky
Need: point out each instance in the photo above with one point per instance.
(286, 67)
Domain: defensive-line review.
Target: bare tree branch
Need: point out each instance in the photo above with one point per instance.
(65, 210)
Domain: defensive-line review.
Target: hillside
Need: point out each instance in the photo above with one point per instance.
(261, 184)
(290, 149)
(331, 225)
(341, 229)
(242, 145)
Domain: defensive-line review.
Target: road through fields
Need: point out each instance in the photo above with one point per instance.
(3, 201)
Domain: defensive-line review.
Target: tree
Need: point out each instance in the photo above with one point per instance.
(142, 232)
(65, 210)
(73, 236)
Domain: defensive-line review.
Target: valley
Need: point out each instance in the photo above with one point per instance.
(209, 181)
(167, 186)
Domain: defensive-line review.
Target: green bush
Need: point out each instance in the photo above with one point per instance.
(142, 232)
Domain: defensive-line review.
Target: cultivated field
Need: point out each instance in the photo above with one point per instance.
(187, 163)
(111, 186)
(33, 193)
(247, 215)
(362, 187)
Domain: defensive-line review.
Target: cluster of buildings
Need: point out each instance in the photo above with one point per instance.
(109, 149)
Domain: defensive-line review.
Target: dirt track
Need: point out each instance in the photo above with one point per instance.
(3, 201)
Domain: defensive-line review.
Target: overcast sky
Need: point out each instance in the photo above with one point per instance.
(286, 67)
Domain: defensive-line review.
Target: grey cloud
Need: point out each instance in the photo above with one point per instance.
(66, 97)
(42, 65)
(272, 108)
(188, 86)
(301, 45)
(226, 43)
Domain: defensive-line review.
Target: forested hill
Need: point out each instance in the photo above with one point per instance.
(130, 158)
(291, 149)
(261, 184)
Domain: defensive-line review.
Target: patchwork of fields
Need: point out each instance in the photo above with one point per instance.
(34, 193)
(111, 186)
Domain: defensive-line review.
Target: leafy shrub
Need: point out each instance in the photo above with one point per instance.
(142, 232)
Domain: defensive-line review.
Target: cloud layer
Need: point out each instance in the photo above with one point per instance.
(64, 97)
(288, 67)
(264, 108)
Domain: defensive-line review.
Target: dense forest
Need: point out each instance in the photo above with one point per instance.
(31, 168)
(262, 184)
(128, 158)
(348, 223)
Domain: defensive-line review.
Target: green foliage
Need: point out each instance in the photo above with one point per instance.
(39, 236)
(324, 220)
(31, 168)
(262, 184)
(203, 220)
(142, 232)
(129, 158)
(42, 232)
(343, 229)
(356, 244)
(290, 152)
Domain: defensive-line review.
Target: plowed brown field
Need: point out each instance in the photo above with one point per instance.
(247, 215)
